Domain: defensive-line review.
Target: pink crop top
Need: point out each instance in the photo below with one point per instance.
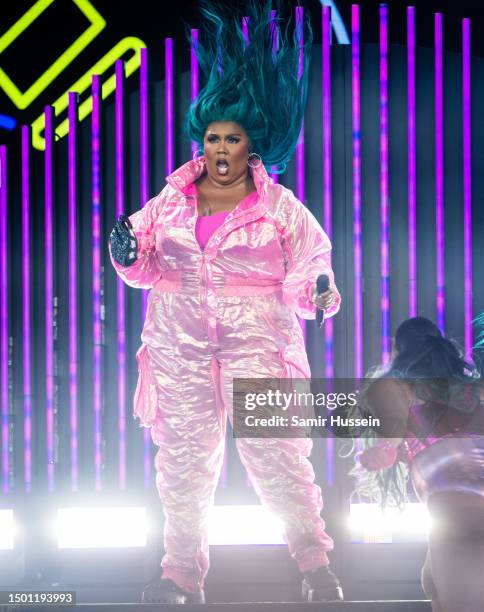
(206, 226)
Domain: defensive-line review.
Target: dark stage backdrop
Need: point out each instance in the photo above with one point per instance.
(139, 451)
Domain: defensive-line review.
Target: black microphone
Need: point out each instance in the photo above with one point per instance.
(322, 285)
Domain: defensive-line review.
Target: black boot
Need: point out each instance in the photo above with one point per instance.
(321, 585)
(167, 591)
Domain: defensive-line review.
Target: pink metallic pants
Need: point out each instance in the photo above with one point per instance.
(190, 433)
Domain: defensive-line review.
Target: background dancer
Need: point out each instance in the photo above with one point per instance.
(431, 403)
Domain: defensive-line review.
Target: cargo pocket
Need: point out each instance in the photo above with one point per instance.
(145, 396)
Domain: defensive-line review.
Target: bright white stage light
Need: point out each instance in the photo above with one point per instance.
(232, 525)
(7, 529)
(121, 527)
(369, 524)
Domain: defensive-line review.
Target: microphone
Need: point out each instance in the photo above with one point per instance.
(322, 285)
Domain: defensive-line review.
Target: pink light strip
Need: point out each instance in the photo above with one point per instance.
(26, 318)
(72, 255)
(120, 287)
(328, 205)
(357, 249)
(144, 187)
(467, 171)
(384, 205)
(412, 165)
(96, 280)
(4, 320)
(49, 296)
(439, 175)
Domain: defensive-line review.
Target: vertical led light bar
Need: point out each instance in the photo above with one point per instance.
(384, 233)
(275, 47)
(4, 319)
(245, 29)
(96, 279)
(193, 76)
(144, 146)
(72, 255)
(144, 193)
(120, 288)
(357, 255)
(327, 168)
(49, 295)
(467, 161)
(328, 204)
(300, 183)
(439, 175)
(26, 319)
(412, 165)
(169, 95)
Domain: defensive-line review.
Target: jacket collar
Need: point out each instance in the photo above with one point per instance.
(184, 176)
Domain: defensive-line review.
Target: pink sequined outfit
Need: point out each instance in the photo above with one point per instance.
(227, 311)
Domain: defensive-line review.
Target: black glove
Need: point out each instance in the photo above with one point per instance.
(124, 246)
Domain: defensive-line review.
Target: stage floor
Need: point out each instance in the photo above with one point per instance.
(346, 606)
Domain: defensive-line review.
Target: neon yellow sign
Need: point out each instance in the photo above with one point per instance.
(24, 99)
(60, 105)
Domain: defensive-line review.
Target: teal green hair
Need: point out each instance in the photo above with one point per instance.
(250, 84)
(480, 338)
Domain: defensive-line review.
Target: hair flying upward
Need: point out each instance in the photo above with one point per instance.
(260, 83)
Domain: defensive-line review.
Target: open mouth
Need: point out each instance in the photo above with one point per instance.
(222, 166)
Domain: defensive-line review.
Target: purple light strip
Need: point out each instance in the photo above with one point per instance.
(72, 233)
(193, 76)
(96, 280)
(4, 319)
(412, 165)
(357, 257)
(120, 288)
(384, 229)
(245, 29)
(49, 296)
(275, 47)
(328, 204)
(26, 323)
(169, 95)
(144, 193)
(144, 146)
(300, 183)
(467, 160)
(439, 175)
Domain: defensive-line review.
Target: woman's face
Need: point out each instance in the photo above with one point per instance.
(226, 150)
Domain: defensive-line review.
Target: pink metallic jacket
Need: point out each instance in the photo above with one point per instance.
(272, 244)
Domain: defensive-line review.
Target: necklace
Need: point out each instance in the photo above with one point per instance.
(208, 210)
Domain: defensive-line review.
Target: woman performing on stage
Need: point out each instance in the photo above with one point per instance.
(431, 406)
(231, 258)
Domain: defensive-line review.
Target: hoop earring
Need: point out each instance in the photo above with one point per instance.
(195, 155)
(254, 155)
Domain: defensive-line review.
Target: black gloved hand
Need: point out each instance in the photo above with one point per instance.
(124, 246)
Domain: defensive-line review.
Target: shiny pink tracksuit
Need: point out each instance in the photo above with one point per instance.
(226, 312)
